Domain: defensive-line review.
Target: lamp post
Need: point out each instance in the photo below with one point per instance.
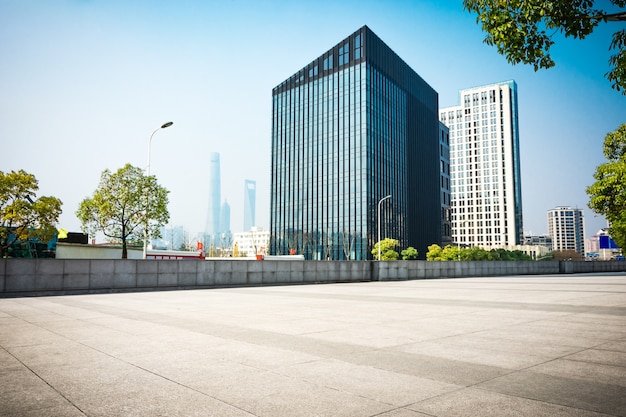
(145, 231)
(379, 203)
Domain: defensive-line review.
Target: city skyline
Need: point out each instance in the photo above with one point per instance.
(85, 82)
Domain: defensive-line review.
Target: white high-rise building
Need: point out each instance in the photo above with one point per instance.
(566, 226)
(486, 192)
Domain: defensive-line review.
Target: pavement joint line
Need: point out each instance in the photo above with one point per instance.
(45, 382)
(162, 377)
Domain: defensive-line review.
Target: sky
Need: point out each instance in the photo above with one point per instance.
(84, 83)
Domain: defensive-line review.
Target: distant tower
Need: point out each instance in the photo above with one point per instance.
(566, 226)
(225, 218)
(212, 228)
(249, 204)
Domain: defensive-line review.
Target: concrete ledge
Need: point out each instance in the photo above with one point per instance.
(73, 276)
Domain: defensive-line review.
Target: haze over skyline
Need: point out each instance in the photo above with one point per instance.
(85, 82)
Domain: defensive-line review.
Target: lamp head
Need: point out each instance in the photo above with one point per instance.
(168, 124)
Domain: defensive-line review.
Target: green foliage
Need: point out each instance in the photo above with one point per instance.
(522, 30)
(436, 253)
(608, 193)
(387, 249)
(119, 206)
(409, 253)
(23, 217)
(453, 253)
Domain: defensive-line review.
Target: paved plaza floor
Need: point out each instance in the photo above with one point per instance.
(509, 346)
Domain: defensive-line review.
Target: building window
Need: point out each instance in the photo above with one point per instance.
(357, 47)
(328, 62)
(344, 54)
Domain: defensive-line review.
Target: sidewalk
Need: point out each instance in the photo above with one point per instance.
(515, 346)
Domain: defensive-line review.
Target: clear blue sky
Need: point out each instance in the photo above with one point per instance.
(83, 83)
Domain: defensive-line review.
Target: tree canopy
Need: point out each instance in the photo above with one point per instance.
(454, 253)
(409, 253)
(122, 204)
(22, 216)
(387, 250)
(523, 30)
(608, 193)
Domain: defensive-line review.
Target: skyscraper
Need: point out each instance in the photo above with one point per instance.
(249, 201)
(566, 227)
(486, 206)
(355, 125)
(225, 217)
(212, 229)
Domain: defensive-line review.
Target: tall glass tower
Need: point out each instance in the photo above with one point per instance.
(249, 201)
(355, 125)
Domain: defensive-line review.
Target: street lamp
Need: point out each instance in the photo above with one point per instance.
(145, 231)
(379, 203)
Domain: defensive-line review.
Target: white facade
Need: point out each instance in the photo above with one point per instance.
(253, 242)
(566, 226)
(486, 206)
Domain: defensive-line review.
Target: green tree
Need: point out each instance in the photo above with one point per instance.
(409, 253)
(120, 205)
(448, 253)
(523, 30)
(22, 216)
(608, 193)
(387, 250)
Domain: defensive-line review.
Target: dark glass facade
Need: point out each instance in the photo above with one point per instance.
(353, 126)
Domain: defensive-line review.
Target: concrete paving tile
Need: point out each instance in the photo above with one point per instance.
(479, 341)
(257, 356)
(76, 330)
(21, 391)
(600, 356)
(616, 345)
(603, 321)
(68, 410)
(403, 412)
(585, 329)
(474, 354)
(8, 362)
(58, 353)
(569, 392)
(471, 402)
(270, 394)
(541, 335)
(368, 382)
(593, 372)
(26, 334)
(299, 326)
(362, 336)
(437, 369)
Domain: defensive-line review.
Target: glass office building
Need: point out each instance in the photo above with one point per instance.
(355, 125)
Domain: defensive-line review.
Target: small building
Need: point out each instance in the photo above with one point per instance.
(253, 242)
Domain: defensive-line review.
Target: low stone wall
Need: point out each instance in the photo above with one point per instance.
(19, 277)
